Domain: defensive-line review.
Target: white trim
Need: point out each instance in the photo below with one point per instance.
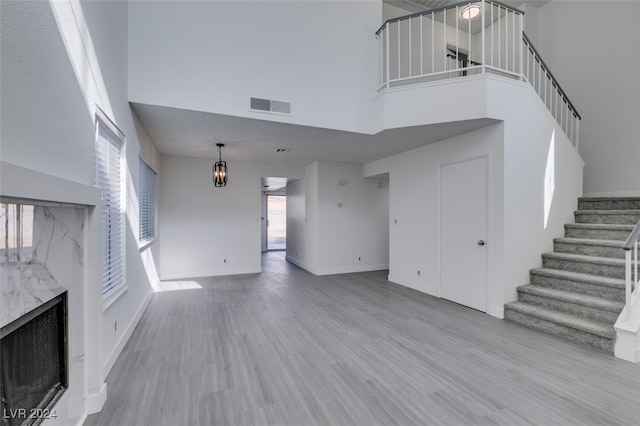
(143, 245)
(339, 270)
(117, 350)
(213, 273)
(93, 403)
(28, 184)
(111, 299)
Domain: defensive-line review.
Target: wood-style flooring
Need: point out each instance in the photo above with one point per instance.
(288, 348)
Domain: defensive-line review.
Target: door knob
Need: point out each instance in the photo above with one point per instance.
(481, 243)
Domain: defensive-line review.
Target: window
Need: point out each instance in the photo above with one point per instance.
(109, 143)
(147, 200)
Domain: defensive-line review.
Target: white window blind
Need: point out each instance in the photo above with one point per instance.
(109, 180)
(147, 201)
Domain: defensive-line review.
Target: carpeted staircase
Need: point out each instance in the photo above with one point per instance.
(579, 291)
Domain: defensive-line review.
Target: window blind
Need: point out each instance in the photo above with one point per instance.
(147, 202)
(109, 180)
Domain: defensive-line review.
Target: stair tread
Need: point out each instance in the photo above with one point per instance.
(575, 298)
(578, 276)
(567, 320)
(609, 199)
(615, 226)
(608, 212)
(588, 241)
(585, 258)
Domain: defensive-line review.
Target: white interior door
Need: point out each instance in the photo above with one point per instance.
(463, 230)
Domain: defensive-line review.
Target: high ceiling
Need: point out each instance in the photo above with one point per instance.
(195, 134)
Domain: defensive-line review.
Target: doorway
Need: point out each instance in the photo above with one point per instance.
(276, 222)
(463, 230)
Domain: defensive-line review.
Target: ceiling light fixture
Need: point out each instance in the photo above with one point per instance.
(220, 169)
(470, 11)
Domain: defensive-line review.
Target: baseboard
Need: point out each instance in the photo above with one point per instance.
(352, 269)
(216, 273)
(82, 420)
(108, 365)
(334, 271)
(612, 194)
(301, 264)
(93, 403)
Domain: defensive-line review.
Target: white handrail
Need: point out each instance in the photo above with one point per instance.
(443, 43)
(632, 281)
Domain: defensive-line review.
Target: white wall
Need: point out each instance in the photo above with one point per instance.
(353, 220)
(58, 64)
(201, 225)
(296, 219)
(335, 228)
(594, 51)
(414, 226)
(521, 171)
(213, 56)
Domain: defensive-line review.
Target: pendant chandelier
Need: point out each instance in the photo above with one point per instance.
(220, 169)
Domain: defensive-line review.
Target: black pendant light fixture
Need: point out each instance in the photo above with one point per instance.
(220, 169)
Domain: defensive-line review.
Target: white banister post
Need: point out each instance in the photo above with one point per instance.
(627, 284)
(387, 31)
(482, 26)
(577, 133)
(521, 46)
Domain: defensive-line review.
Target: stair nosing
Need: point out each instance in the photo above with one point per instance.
(564, 319)
(605, 226)
(579, 277)
(589, 241)
(574, 298)
(610, 261)
(608, 212)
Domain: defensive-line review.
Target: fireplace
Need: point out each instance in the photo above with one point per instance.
(34, 368)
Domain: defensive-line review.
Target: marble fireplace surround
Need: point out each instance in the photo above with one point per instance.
(57, 251)
(41, 255)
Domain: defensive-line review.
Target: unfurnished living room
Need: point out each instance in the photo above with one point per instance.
(336, 212)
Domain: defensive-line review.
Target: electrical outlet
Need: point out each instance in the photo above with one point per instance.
(359, 259)
(418, 272)
(225, 261)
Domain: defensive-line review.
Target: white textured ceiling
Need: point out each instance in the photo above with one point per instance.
(195, 134)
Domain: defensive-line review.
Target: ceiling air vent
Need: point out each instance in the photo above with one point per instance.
(267, 105)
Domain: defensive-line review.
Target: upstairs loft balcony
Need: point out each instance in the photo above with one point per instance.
(466, 39)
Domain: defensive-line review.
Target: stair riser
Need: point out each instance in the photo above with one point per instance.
(560, 330)
(608, 204)
(614, 219)
(606, 292)
(597, 234)
(611, 271)
(589, 250)
(582, 311)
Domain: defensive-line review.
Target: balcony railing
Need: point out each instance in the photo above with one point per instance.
(470, 38)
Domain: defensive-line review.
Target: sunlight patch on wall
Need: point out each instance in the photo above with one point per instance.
(79, 45)
(550, 179)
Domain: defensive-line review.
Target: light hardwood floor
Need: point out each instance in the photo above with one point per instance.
(288, 348)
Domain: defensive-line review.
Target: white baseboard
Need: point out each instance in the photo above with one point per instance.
(341, 270)
(126, 335)
(301, 264)
(216, 273)
(93, 403)
(612, 194)
(352, 269)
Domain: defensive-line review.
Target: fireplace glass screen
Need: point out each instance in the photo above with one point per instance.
(34, 363)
